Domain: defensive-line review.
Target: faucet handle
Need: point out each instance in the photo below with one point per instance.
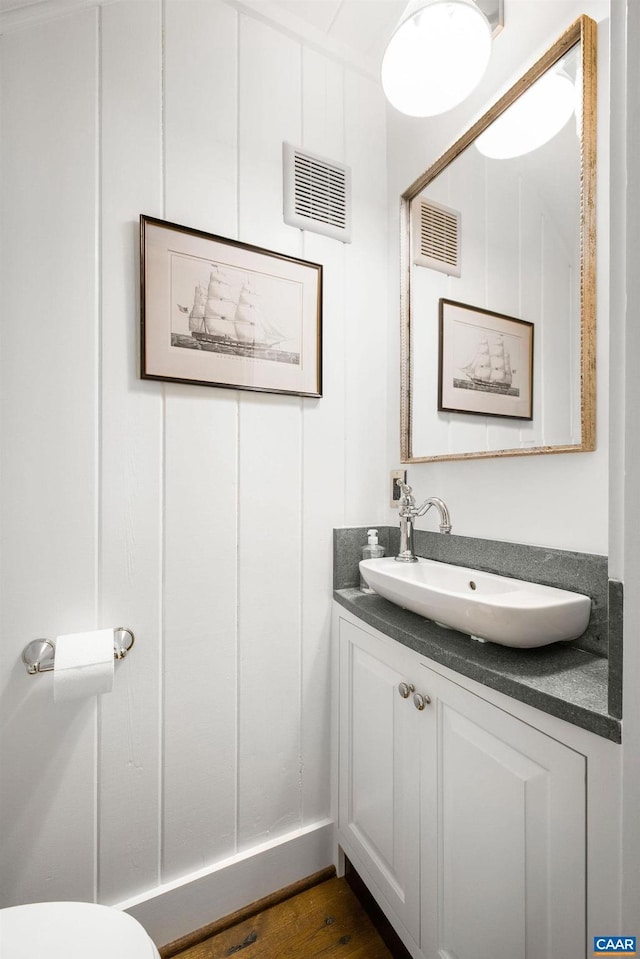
(407, 499)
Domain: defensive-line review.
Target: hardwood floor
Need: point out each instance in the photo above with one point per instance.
(324, 922)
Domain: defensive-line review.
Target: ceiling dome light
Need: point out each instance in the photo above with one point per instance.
(436, 57)
(532, 120)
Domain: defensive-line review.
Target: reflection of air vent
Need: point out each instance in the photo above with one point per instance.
(436, 237)
(317, 193)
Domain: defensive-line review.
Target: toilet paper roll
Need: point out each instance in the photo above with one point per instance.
(83, 665)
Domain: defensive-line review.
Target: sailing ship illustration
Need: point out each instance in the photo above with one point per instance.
(227, 316)
(490, 369)
(251, 323)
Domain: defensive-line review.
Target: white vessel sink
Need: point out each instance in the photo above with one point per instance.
(484, 605)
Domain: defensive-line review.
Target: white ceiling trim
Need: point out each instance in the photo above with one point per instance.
(19, 14)
(302, 30)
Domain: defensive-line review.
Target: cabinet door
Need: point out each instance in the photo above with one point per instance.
(503, 809)
(379, 806)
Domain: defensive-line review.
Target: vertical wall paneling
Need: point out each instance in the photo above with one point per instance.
(323, 446)
(49, 411)
(200, 627)
(468, 193)
(269, 112)
(322, 107)
(201, 499)
(573, 283)
(556, 305)
(269, 547)
(269, 617)
(366, 264)
(131, 452)
(201, 115)
(503, 273)
(530, 272)
(199, 517)
(431, 429)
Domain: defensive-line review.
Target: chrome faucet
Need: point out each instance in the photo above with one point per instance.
(408, 513)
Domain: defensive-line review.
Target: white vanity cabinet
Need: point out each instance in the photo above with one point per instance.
(503, 841)
(379, 777)
(467, 823)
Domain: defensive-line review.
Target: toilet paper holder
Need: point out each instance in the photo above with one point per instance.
(39, 655)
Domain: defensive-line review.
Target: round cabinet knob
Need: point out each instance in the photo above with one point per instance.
(420, 700)
(405, 689)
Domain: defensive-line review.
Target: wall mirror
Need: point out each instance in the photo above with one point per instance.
(498, 274)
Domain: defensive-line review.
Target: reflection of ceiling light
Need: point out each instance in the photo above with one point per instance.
(436, 57)
(533, 119)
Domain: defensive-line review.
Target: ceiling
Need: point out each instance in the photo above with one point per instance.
(363, 25)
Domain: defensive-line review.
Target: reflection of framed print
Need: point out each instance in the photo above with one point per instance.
(218, 312)
(486, 362)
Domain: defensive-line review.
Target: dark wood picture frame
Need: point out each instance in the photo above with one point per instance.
(485, 362)
(219, 312)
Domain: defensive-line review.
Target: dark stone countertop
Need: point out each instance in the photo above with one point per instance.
(559, 679)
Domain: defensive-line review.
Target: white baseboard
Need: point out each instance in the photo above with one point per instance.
(177, 908)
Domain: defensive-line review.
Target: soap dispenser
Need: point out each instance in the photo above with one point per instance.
(373, 550)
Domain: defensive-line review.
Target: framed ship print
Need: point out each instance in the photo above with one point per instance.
(217, 312)
(485, 362)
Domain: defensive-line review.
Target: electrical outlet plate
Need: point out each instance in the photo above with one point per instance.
(395, 490)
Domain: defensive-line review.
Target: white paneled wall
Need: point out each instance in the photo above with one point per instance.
(49, 456)
(200, 517)
(131, 445)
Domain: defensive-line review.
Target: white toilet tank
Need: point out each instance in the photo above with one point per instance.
(72, 930)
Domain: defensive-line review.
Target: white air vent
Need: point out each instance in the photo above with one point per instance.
(436, 237)
(317, 193)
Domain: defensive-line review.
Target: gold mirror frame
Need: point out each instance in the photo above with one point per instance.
(583, 31)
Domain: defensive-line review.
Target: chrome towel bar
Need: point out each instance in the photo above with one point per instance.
(39, 655)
